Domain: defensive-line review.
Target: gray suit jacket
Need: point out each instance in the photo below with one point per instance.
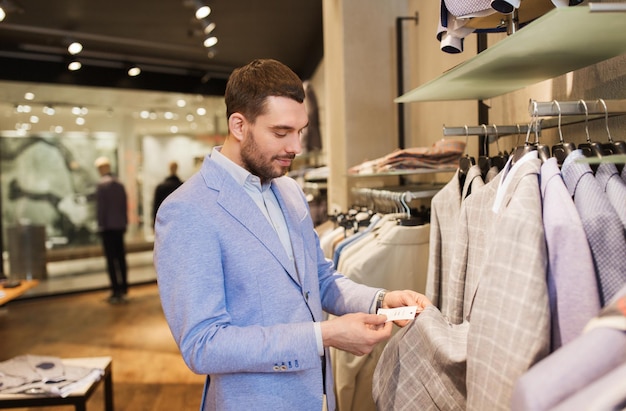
(469, 250)
(435, 365)
(444, 216)
(510, 318)
(239, 309)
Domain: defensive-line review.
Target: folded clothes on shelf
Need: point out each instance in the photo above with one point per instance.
(442, 154)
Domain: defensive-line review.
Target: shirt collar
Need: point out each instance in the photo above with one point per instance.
(242, 176)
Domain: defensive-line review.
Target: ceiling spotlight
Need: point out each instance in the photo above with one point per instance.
(6, 7)
(29, 96)
(74, 65)
(207, 26)
(202, 10)
(79, 111)
(134, 71)
(74, 48)
(210, 41)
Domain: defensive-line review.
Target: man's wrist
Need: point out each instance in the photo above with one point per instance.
(380, 298)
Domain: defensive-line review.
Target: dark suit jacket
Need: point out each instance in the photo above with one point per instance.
(111, 204)
(162, 190)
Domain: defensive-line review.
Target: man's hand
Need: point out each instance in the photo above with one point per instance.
(405, 298)
(356, 333)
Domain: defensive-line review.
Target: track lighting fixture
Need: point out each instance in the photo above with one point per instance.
(74, 48)
(207, 26)
(202, 10)
(74, 65)
(134, 71)
(210, 41)
(7, 7)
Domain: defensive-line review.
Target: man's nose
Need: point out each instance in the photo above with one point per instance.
(295, 145)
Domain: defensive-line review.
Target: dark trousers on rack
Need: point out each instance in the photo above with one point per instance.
(115, 253)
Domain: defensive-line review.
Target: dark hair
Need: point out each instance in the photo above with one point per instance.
(249, 86)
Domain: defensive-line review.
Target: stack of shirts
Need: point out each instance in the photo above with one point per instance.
(442, 154)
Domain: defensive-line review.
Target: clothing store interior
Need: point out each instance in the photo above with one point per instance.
(417, 110)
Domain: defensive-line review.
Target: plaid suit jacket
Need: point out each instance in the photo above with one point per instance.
(510, 318)
(432, 364)
(444, 215)
(469, 252)
(423, 366)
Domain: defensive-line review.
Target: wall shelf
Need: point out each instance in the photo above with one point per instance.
(563, 40)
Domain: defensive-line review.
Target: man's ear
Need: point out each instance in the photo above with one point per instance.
(236, 124)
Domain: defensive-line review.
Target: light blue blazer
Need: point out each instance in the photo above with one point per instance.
(237, 307)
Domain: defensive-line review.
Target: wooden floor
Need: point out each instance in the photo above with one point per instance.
(148, 371)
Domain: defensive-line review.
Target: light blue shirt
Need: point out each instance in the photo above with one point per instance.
(264, 198)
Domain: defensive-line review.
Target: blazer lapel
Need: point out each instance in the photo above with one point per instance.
(233, 198)
(290, 208)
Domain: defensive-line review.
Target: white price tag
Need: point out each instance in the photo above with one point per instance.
(400, 313)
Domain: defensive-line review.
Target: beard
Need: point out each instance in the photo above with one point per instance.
(256, 163)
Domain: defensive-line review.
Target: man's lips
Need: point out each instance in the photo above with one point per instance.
(285, 161)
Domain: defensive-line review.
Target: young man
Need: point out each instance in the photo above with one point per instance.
(112, 211)
(242, 277)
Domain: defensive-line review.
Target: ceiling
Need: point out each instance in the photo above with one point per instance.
(163, 37)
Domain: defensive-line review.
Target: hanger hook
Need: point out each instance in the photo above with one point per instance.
(404, 199)
(584, 104)
(533, 120)
(466, 135)
(519, 132)
(606, 119)
(558, 107)
(486, 134)
(497, 137)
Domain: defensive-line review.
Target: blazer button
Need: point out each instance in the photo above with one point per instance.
(283, 368)
(276, 368)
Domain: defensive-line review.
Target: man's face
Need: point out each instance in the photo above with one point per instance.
(271, 143)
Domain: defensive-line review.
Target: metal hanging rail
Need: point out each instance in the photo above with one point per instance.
(579, 108)
(587, 109)
(492, 132)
